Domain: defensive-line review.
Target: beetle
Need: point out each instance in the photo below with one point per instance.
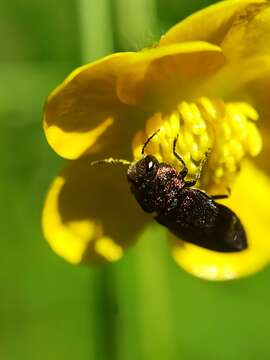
(189, 213)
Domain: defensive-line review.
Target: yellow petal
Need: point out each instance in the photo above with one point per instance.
(210, 24)
(162, 76)
(90, 214)
(85, 106)
(250, 200)
(246, 46)
(251, 60)
(242, 29)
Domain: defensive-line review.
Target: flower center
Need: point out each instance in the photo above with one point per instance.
(227, 131)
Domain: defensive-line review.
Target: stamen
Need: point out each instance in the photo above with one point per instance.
(228, 129)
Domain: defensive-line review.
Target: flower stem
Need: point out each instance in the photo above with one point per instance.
(136, 23)
(96, 29)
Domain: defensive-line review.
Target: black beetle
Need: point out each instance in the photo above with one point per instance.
(189, 213)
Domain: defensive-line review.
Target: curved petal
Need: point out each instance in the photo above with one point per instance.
(85, 106)
(251, 202)
(246, 46)
(210, 24)
(163, 75)
(87, 112)
(246, 74)
(90, 214)
(242, 29)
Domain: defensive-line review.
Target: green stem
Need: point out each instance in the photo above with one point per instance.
(146, 328)
(96, 29)
(136, 22)
(96, 42)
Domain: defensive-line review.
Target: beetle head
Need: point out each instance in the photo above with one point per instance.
(143, 171)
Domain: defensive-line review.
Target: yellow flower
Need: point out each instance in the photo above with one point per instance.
(209, 80)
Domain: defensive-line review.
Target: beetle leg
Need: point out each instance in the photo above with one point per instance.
(201, 164)
(222, 196)
(198, 174)
(190, 183)
(184, 171)
(219, 196)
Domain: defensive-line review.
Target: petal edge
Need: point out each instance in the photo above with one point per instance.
(251, 202)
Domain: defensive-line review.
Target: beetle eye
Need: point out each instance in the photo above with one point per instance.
(150, 165)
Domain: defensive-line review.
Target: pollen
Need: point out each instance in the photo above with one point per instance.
(214, 138)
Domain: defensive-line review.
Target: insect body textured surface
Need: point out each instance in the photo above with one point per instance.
(187, 212)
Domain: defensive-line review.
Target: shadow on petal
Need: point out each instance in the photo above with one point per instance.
(166, 74)
(90, 214)
(250, 200)
(85, 106)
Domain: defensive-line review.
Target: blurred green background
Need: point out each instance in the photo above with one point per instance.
(143, 307)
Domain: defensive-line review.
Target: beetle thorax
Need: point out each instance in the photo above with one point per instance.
(158, 194)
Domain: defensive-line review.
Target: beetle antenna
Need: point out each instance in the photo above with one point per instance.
(148, 141)
(110, 161)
